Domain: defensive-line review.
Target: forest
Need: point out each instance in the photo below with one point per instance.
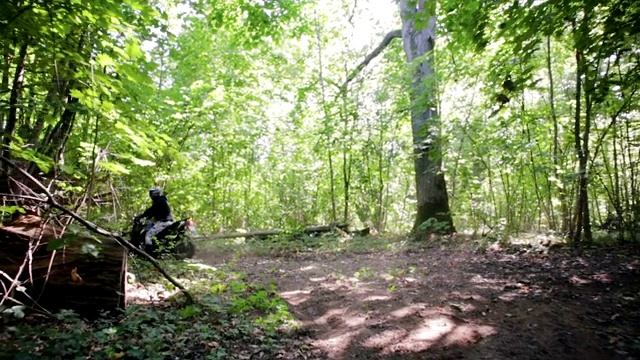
(366, 179)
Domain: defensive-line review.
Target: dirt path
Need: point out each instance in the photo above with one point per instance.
(438, 304)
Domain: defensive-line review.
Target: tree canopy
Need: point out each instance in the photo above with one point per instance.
(403, 176)
(285, 113)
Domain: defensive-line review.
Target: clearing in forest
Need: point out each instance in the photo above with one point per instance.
(438, 303)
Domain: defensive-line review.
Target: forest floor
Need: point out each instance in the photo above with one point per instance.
(452, 302)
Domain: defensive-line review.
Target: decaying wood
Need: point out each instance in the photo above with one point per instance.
(69, 278)
(98, 230)
(263, 234)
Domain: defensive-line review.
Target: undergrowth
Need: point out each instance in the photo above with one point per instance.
(230, 319)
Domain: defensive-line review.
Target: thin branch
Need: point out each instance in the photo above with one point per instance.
(121, 241)
(26, 197)
(353, 12)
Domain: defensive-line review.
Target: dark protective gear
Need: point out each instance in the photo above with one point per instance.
(155, 192)
(160, 211)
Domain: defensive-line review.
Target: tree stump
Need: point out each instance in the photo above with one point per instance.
(61, 270)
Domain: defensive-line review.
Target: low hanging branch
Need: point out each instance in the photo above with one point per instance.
(372, 55)
(121, 241)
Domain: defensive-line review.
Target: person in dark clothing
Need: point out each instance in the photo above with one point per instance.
(159, 212)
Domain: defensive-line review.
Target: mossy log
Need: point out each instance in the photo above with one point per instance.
(61, 270)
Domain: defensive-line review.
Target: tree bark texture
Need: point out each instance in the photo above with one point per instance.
(431, 190)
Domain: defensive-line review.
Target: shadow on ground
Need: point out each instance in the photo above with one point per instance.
(439, 304)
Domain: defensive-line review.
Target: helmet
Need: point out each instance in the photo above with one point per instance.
(155, 191)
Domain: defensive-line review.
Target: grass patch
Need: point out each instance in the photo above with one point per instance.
(230, 319)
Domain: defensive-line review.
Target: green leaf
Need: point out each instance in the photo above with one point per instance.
(113, 167)
(89, 249)
(43, 162)
(133, 50)
(17, 311)
(77, 93)
(56, 244)
(104, 60)
(12, 209)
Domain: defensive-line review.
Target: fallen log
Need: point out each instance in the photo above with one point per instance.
(264, 234)
(47, 268)
(96, 229)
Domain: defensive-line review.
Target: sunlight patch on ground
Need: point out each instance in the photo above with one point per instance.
(385, 338)
(424, 336)
(376, 298)
(486, 283)
(432, 329)
(144, 294)
(465, 296)
(307, 268)
(335, 346)
(340, 317)
(440, 330)
(202, 266)
(410, 310)
(353, 321)
(296, 297)
(468, 333)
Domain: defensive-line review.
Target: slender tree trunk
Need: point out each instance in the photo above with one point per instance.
(16, 91)
(584, 170)
(577, 224)
(380, 214)
(617, 202)
(545, 207)
(564, 209)
(327, 118)
(346, 155)
(431, 190)
(7, 55)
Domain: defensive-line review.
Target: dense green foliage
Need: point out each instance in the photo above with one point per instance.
(263, 114)
(253, 115)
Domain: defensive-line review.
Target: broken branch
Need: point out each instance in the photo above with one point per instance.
(121, 241)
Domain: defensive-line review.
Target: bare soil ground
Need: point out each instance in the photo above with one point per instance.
(433, 303)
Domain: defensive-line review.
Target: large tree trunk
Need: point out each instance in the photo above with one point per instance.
(434, 215)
